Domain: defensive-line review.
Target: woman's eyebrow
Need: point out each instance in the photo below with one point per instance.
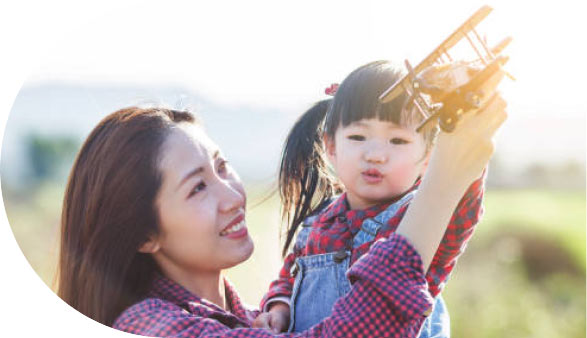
(189, 175)
(196, 171)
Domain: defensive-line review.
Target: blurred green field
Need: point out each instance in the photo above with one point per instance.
(523, 274)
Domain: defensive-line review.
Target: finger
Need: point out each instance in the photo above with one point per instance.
(489, 87)
(497, 122)
(262, 321)
(476, 117)
(487, 105)
(495, 115)
(483, 120)
(277, 324)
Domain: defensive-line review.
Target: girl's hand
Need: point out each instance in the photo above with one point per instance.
(276, 320)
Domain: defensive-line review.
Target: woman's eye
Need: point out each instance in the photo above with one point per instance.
(398, 140)
(356, 137)
(198, 188)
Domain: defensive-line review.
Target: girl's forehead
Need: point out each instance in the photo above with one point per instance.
(380, 124)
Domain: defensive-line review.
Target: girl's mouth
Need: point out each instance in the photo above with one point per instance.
(372, 176)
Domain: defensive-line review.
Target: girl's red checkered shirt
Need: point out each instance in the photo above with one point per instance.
(389, 298)
(333, 230)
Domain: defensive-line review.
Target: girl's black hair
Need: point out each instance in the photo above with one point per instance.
(304, 180)
(357, 97)
(305, 183)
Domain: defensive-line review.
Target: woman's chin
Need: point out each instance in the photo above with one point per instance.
(241, 253)
(248, 248)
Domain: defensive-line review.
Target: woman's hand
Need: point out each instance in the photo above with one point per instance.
(276, 320)
(460, 156)
(457, 159)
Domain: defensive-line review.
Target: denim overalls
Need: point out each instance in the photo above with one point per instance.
(321, 279)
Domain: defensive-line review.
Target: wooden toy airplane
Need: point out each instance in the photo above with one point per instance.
(443, 89)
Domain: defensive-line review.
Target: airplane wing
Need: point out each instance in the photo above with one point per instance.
(406, 82)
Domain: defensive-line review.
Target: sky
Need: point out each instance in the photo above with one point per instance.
(271, 54)
(281, 55)
(275, 53)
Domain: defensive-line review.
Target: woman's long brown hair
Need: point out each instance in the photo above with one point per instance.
(109, 212)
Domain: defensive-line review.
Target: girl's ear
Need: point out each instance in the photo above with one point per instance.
(329, 147)
(426, 159)
(151, 246)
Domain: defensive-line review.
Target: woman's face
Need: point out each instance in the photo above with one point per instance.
(201, 206)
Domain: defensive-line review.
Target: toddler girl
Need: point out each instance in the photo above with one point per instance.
(378, 158)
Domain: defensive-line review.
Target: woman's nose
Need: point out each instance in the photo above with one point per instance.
(232, 196)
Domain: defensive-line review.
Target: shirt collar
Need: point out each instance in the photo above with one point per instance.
(341, 208)
(171, 291)
(236, 305)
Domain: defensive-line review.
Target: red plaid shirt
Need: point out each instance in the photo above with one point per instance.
(389, 298)
(336, 226)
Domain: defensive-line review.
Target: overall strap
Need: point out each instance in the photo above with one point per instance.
(306, 226)
(304, 233)
(371, 226)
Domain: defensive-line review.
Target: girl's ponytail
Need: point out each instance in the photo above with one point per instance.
(304, 180)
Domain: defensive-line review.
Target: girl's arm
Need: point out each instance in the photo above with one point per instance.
(283, 285)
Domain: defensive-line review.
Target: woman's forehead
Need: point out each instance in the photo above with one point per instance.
(186, 147)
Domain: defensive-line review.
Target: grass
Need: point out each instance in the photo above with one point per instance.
(523, 274)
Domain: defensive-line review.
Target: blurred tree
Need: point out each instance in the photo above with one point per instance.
(568, 175)
(498, 175)
(50, 156)
(573, 173)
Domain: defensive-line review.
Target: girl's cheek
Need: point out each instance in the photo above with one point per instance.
(405, 172)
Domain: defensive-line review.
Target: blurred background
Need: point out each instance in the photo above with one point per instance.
(250, 68)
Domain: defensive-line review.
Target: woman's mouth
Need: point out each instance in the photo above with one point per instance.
(372, 176)
(235, 229)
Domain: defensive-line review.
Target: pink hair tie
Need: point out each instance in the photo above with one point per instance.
(332, 89)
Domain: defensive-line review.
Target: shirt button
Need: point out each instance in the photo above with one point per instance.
(293, 271)
(340, 256)
(342, 219)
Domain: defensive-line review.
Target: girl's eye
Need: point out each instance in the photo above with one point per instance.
(356, 137)
(398, 140)
(198, 188)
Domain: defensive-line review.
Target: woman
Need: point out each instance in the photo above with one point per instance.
(153, 213)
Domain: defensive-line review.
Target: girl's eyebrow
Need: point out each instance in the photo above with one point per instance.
(366, 125)
(359, 124)
(196, 171)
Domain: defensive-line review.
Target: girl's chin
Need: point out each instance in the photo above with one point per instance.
(375, 195)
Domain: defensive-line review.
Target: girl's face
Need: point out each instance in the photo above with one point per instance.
(201, 206)
(376, 160)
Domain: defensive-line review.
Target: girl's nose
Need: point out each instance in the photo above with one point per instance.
(375, 154)
(232, 196)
